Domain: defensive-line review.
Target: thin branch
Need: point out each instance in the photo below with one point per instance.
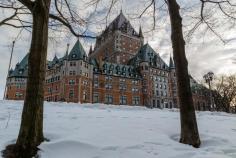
(68, 25)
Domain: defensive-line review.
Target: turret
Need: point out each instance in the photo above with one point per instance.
(90, 50)
(140, 34)
(171, 63)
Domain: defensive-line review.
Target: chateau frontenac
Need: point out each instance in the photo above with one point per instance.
(119, 70)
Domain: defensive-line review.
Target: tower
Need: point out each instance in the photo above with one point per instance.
(119, 42)
(173, 83)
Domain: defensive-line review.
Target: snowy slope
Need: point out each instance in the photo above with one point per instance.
(106, 131)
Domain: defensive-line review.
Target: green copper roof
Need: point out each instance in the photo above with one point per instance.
(147, 54)
(21, 69)
(119, 70)
(77, 52)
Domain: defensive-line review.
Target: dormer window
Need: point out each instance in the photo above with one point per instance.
(73, 55)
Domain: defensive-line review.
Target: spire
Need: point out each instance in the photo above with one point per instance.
(67, 51)
(171, 64)
(140, 32)
(55, 57)
(121, 11)
(90, 50)
(77, 52)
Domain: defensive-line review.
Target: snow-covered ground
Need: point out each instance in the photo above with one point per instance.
(106, 131)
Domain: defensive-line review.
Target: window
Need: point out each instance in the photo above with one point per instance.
(135, 100)
(95, 83)
(156, 84)
(135, 81)
(165, 87)
(73, 55)
(71, 93)
(158, 103)
(18, 95)
(134, 89)
(108, 78)
(71, 82)
(122, 80)
(73, 63)
(165, 93)
(49, 90)
(122, 86)
(108, 99)
(72, 73)
(84, 95)
(123, 100)
(95, 98)
(85, 83)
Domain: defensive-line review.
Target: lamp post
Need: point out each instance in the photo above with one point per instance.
(208, 79)
(9, 66)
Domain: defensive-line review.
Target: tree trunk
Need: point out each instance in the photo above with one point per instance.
(31, 129)
(189, 129)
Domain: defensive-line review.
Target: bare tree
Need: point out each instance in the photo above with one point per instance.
(225, 92)
(189, 129)
(39, 13)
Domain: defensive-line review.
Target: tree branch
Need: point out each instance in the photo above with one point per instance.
(68, 25)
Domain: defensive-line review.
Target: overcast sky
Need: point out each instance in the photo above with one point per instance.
(205, 52)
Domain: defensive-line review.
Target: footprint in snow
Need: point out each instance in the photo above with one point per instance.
(229, 151)
(135, 147)
(113, 148)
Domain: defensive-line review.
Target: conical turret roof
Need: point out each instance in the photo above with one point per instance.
(77, 52)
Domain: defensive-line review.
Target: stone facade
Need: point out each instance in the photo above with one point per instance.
(121, 70)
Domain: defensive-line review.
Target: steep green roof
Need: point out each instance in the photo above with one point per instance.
(147, 54)
(119, 70)
(21, 69)
(77, 52)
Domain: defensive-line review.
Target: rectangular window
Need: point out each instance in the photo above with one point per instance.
(123, 100)
(165, 87)
(84, 95)
(71, 93)
(108, 99)
(161, 93)
(95, 97)
(72, 73)
(135, 100)
(71, 82)
(95, 83)
(122, 87)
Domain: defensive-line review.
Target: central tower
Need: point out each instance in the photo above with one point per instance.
(119, 42)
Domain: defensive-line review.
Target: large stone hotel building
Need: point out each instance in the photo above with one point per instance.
(120, 70)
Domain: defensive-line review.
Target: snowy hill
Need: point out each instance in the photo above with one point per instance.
(106, 131)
